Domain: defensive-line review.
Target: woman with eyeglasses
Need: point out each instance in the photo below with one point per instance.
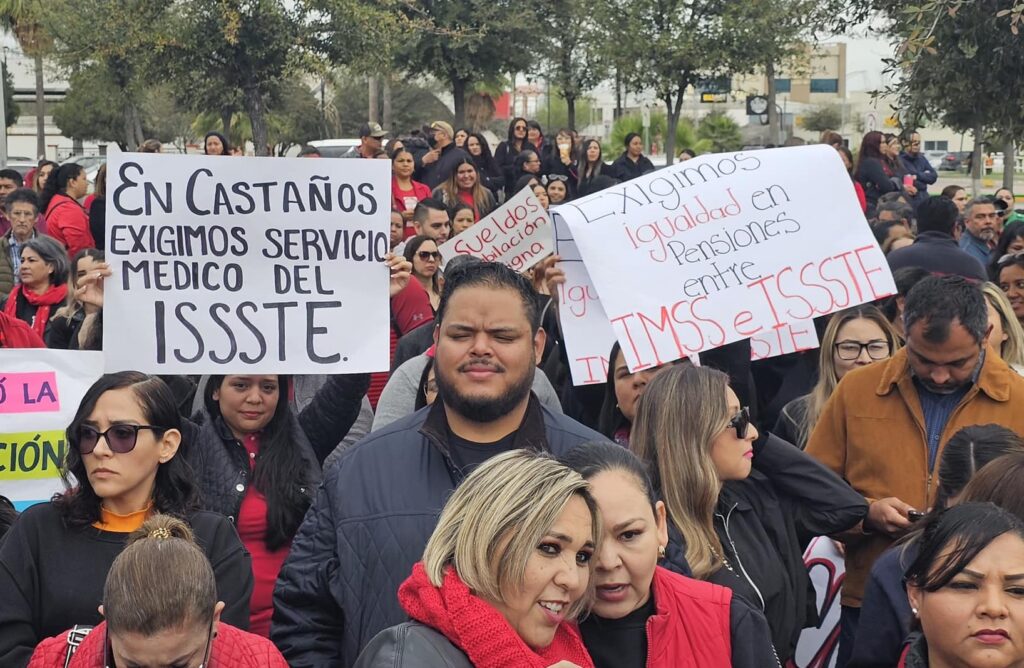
(632, 163)
(122, 465)
(464, 186)
(160, 608)
(421, 250)
(853, 339)
(1010, 278)
(742, 506)
(507, 151)
(526, 164)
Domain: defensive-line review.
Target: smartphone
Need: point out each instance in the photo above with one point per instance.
(908, 180)
(914, 515)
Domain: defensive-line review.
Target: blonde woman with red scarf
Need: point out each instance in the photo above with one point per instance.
(503, 576)
(42, 284)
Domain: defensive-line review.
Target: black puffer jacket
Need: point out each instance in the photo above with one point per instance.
(221, 462)
(765, 523)
(371, 519)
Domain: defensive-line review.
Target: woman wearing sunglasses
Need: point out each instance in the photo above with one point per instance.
(422, 251)
(121, 466)
(741, 506)
(160, 608)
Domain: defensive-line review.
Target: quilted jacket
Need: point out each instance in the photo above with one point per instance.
(371, 519)
(232, 648)
(221, 463)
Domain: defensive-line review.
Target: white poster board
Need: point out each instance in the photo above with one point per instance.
(40, 390)
(517, 234)
(246, 265)
(726, 247)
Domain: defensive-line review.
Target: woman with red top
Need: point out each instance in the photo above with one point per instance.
(406, 193)
(160, 608)
(874, 169)
(66, 220)
(258, 463)
(503, 576)
(464, 185)
(43, 288)
(422, 252)
(646, 616)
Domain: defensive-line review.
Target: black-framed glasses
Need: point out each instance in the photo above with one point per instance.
(121, 438)
(740, 422)
(108, 652)
(850, 350)
(427, 256)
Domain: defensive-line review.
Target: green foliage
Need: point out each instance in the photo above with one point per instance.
(11, 109)
(721, 131)
(574, 54)
(686, 134)
(164, 118)
(294, 116)
(821, 118)
(413, 107)
(559, 113)
(86, 113)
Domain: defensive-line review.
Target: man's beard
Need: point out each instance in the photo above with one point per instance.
(482, 408)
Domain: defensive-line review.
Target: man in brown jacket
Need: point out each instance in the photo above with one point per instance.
(885, 426)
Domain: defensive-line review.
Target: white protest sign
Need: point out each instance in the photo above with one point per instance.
(246, 265)
(819, 644)
(793, 337)
(518, 234)
(585, 329)
(726, 247)
(40, 390)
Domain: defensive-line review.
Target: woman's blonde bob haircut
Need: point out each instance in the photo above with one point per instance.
(495, 520)
(1012, 349)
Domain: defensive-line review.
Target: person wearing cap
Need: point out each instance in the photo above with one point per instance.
(370, 135)
(437, 164)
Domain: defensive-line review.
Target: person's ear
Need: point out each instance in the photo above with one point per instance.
(984, 339)
(661, 523)
(437, 333)
(539, 339)
(916, 598)
(169, 445)
(100, 610)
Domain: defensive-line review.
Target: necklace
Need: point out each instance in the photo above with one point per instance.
(725, 562)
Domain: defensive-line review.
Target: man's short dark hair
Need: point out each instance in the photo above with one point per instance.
(12, 175)
(308, 150)
(421, 214)
(939, 300)
(492, 275)
(905, 279)
(937, 214)
(902, 211)
(26, 195)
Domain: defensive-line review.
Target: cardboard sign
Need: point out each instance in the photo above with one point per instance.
(585, 329)
(726, 247)
(246, 265)
(518, 235)
(40, 390)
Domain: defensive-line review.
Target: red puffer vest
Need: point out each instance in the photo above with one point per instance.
(690, 628)
(232, 648)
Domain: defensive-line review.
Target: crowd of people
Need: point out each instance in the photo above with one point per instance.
(472, 507)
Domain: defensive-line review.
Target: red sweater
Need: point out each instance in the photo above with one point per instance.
(68, 223)
(690, 628)
(475, 627)
(232, 648)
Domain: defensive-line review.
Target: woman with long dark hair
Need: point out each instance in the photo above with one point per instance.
(406, 192)
(122, 465)
(491, 173)
(214, 143)
(526, 164)
(622, 391)
(742, 506)
(874, 171)
(258, 463)
(66, 220)
(421, 251)
(590, 165)
(464, 185)
(507, 151)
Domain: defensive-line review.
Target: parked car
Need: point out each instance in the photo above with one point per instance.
(21, 165)
(337, 148)
(935, 157)
(954, 161)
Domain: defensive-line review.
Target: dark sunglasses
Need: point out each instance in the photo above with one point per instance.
(740, 422)
(121, 438)
(520, 127)
(427, 256)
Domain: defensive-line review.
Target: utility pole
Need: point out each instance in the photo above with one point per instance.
(3, 110)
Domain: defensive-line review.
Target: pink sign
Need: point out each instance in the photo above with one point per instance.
(29, 393)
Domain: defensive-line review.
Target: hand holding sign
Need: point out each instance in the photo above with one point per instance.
(90, 286)
(401, 272)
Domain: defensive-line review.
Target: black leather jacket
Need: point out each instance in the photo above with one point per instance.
(412, 645)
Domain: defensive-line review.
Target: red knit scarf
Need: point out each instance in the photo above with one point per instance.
(56, 294)
(475, 627)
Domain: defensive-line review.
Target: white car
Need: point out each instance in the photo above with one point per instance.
(337, 148)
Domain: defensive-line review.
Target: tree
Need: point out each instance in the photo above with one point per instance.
(164, 118)
(414, 107)
(666, 46)
(686, 134)
(294, 116)
(86, 113)
(959, 63)
(468, 42)
(574, 53)
(721, 132)
(554, 113)
(821, 118)
(11, 108)
(22, 18)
